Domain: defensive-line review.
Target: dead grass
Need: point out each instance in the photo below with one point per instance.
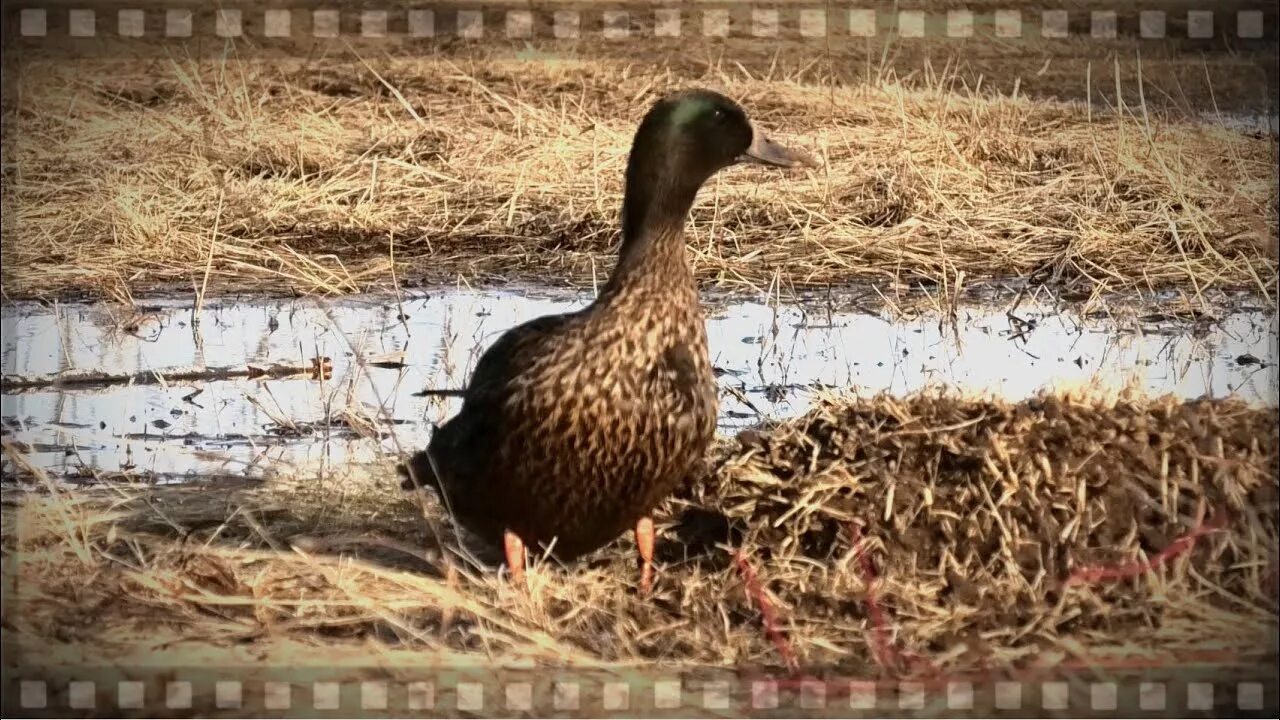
(296, 176)
(924, 536)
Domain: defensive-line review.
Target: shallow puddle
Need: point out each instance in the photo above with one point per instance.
(191, 409)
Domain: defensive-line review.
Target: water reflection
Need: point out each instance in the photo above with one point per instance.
(771, 359)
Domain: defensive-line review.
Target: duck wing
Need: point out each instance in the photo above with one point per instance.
(509, 396)
(469, 441)
(512, 355)
(465, 443)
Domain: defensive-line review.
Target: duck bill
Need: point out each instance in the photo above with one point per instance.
(764, 151)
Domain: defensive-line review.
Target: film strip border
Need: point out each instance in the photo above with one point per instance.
(762, 20)
(651, 696)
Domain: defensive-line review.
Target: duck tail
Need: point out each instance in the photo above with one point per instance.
(417, 472)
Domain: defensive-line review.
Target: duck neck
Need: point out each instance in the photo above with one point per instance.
(653, 217)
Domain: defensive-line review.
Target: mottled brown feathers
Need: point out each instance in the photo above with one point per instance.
(575, 426)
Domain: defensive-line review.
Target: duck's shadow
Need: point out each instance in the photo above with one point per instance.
(691, 538)
(242, 514)
(397, 530)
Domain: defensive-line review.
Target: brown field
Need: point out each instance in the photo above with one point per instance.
(350, 171)
(928, 536)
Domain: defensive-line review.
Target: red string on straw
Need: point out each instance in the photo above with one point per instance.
(882, 647)
(1093, 574)
(755, 592)
(887, 655)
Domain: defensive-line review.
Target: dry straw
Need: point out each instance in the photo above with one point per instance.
(294, 176)
(882, 537)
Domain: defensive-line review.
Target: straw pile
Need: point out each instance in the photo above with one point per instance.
(1009, 530)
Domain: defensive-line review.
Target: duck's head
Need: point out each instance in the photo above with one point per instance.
(685, 139)
(698, 132)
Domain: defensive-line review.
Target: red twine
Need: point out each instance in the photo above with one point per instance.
(756, 592)
(886, 655)
(1093, 574)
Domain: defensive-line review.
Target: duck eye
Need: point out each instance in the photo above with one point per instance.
(718, 115)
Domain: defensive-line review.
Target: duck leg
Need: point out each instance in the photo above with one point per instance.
(644, 542)
(514, 548)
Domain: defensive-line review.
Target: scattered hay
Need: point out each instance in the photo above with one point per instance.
(924, 535)
(293, 176)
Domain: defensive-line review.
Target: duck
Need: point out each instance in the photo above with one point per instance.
(574, 427)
